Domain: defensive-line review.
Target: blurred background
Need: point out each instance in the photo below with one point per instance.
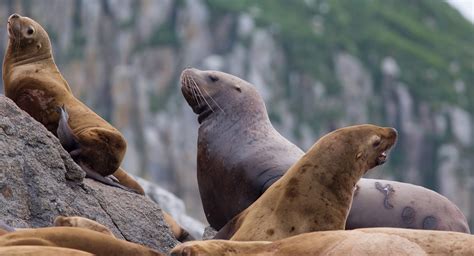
(319, 65)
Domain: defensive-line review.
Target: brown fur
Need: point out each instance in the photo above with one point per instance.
(28, 250)
(81, 222)
(32, 80)
(179, 232)
(316, 192)
(75, 238)
(360, 242)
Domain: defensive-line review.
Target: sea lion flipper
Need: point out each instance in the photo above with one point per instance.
(94, 175)
(65, 135)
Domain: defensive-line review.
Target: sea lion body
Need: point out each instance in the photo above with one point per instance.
(240, 155)
(81, 222)
(234, 166)
(33, 81)
(75, 238)
(31, 250)
(316, 193)
(370, 241)
(403, 205)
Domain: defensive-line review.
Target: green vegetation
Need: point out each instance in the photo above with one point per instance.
(427, 38)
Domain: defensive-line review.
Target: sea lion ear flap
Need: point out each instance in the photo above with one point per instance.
(359, 155)
(38, 46)
(238, 87)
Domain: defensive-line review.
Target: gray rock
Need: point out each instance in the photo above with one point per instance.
(174, 206)
(461, 125)
(39, 181)
(357, 87)
(209, 233)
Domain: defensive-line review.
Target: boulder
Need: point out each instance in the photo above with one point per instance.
(39, 181)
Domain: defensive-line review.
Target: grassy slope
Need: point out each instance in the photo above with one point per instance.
(425, 37)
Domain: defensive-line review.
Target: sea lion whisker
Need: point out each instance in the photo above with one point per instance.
(200, 92)
(194, 91)
(187, 85)
(213, 100)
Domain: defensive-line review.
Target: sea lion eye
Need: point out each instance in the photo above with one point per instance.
(30, 31)
(376, 143)
(213, 78)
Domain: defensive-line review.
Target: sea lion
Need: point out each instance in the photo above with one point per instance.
(75, 238)
(33, 81)
(240, 155)
(316, 192)
(179, 232)
(370, 241)
(29, 250)
(81, 222)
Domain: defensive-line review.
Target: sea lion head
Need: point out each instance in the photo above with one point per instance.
(374, 142)
(26, 38)
(213, 92)
(367, 145)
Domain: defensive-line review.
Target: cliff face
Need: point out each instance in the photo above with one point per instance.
(318, 64)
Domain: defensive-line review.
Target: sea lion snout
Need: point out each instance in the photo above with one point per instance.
(14, 16)
(392, 133)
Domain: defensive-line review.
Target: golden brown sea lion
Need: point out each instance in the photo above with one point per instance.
(30, 250)
(179, 232)
(32, 80)
(316, 192)
(240, 154)
(75, 238)
(359, 242)
(81, 222)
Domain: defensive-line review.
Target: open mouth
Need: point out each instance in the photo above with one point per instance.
(382, 158)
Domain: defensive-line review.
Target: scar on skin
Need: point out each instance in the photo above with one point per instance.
(387, 191)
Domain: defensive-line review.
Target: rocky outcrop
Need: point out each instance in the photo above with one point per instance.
(174, 206)
(39, 181)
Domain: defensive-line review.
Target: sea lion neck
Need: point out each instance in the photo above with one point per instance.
(26, 58)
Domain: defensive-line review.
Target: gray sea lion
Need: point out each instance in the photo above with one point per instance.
(240, 155)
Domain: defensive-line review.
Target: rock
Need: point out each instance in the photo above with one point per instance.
(39, 181)
(357, 87)
(174, 206)
(209, 233)
(461, 125)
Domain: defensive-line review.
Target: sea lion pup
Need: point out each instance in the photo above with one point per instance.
(240, 155)
(316, 192)
(81, 222)
(30, 250)
(371, 241)
(32, 80)
(75, 238)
